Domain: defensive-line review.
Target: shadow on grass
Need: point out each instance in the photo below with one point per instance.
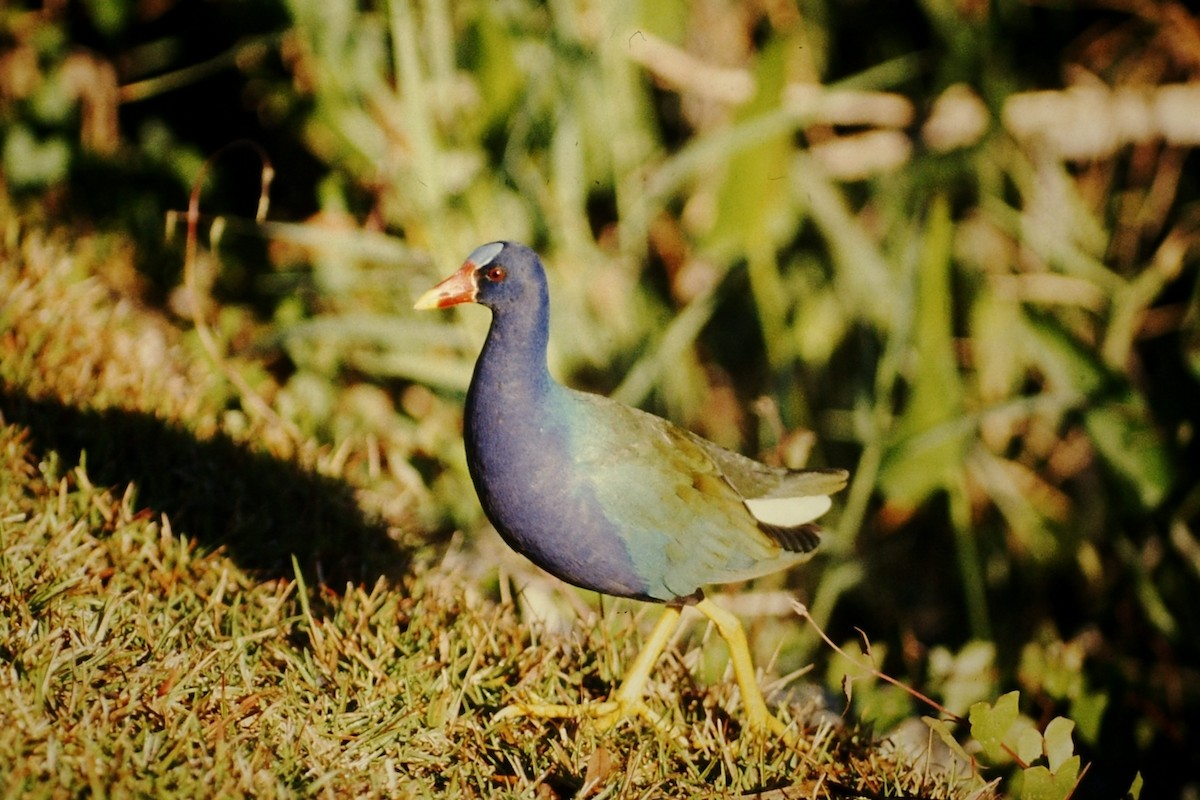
(263, 510)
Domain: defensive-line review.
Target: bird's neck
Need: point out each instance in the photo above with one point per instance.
(512, 367)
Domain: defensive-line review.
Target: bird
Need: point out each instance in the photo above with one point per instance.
(612, 498)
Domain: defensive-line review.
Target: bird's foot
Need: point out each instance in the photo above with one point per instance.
(605, 715)
(628, 701)
(608, 714)
(540, 710)
(766, 724)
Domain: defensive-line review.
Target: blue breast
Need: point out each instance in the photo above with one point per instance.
(516, 431)
(530, 489)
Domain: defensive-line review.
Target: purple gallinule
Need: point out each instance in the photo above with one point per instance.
(611, 498)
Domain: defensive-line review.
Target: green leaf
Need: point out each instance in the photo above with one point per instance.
(1116, 417)
(929, 440)
(752, 205)
(1030, 745)
(991, 724)
(1088, 712)
(30, 162)
(1067, 774)
(942, 729)
(967, 676)
(1059, 746)
(1039, 783)
(490, 52)
(1135, 788)
(754, 210)
(1126, 438)
(937, 390)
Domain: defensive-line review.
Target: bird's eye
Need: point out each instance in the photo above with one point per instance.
(497, 274)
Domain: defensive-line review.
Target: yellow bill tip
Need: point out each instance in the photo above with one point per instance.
(458, 288)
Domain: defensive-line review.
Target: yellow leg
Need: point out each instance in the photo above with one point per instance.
(633, 688)
(627, 700)
(731, 631)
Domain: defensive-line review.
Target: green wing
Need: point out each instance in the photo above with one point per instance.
(680, 502)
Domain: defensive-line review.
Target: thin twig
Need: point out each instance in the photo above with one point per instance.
(802, 610)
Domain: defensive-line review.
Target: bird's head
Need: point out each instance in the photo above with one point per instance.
(496, 275)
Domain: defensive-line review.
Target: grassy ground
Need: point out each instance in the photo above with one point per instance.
(811, 234)
(193, 603)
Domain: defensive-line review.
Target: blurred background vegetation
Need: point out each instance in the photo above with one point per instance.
(953, 246)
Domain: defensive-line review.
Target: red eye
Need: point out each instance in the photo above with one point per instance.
(497, 274)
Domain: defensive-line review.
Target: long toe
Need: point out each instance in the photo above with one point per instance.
(604, 715)
(540, 710)
(622, 710)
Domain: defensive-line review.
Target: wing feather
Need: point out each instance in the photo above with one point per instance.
(686, 507)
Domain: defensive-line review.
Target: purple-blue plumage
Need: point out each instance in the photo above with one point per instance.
(518, 442)
(601, 495)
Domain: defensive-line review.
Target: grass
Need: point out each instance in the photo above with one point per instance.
(809, 234)
(208, 610)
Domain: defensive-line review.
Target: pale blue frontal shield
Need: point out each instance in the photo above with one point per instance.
(483, 255)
